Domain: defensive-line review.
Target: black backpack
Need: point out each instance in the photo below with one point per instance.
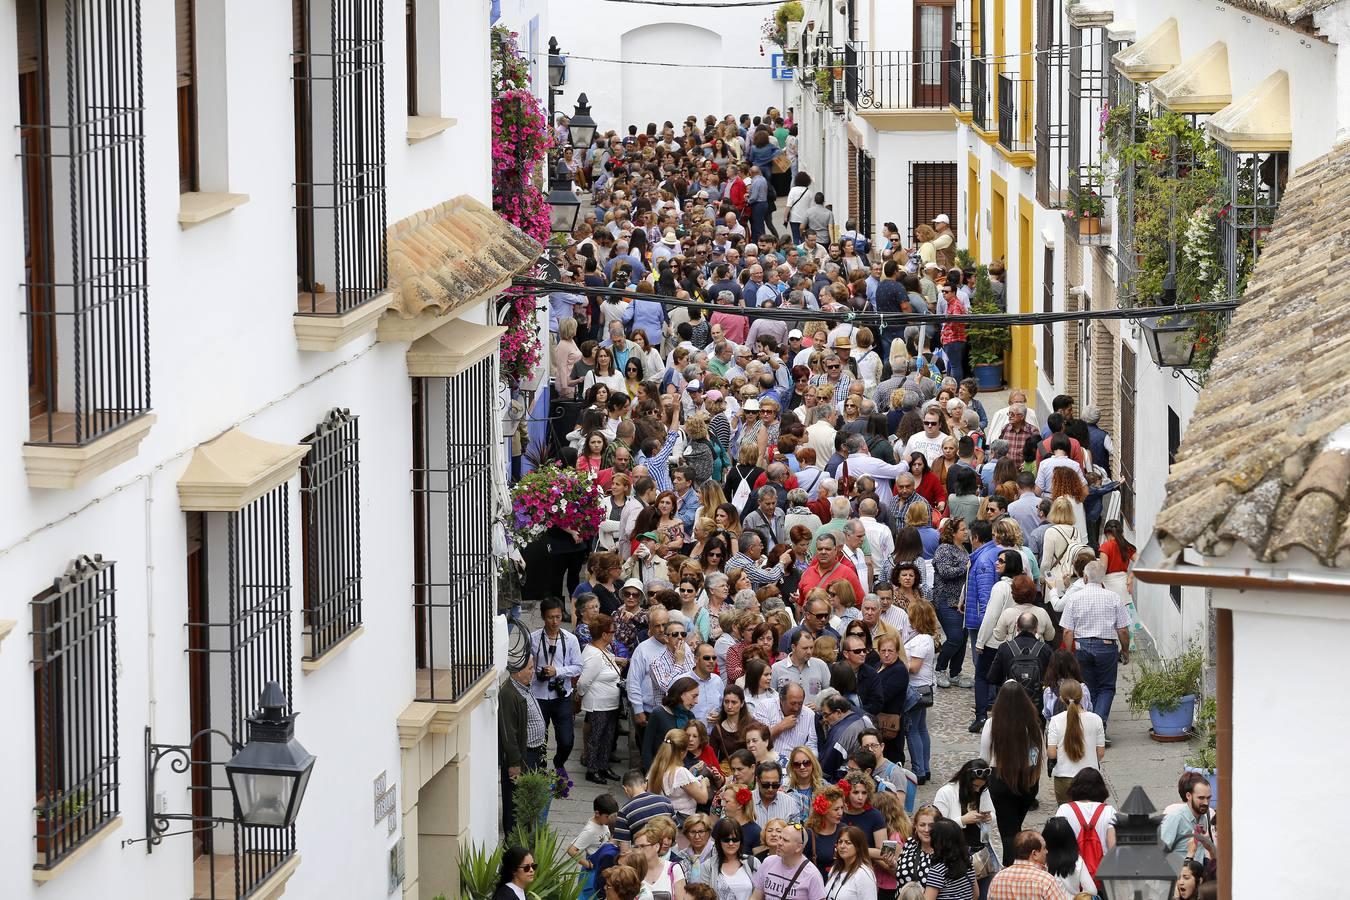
(1025, 668)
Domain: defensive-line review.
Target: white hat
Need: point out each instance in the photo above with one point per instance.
(795, 333)
(942, 217)
(932, 265)
(751, 405)
(670, 239)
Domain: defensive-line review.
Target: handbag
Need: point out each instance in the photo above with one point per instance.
(925, 695)
(889, 725)
(982, 862)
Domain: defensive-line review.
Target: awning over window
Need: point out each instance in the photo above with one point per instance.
(1199, 85)
(1151, 56)
(1258, 121)
(230, 472)
(445, 259)
(451, 349)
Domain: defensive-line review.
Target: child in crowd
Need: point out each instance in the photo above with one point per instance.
(605, 809)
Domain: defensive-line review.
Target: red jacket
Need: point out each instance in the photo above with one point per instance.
(813, 578)
(737, 194)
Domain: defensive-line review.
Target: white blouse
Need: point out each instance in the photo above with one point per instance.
(861, 885)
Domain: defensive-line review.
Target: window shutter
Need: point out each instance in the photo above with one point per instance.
(30, 35)
(183, 27)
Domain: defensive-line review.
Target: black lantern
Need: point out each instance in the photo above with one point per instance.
(1138, 868)
(1169, 340)
(581, 129)
(557, 65)
(268, 776)
(564, 204)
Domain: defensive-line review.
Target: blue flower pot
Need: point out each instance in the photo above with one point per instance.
(1174, 723)
(989, 376)
(1212, 776)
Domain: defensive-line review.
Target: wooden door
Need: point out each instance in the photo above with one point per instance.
(932, 36)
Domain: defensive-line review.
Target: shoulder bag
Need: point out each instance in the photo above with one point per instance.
(787, 889)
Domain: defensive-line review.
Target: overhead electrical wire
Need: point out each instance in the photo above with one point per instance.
(541, 287)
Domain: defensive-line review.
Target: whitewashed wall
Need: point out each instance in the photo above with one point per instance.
(697, 38)
(223, 350)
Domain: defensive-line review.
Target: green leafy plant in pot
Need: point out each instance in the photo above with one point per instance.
(1167, 691)
(988, 342)
(556, 877)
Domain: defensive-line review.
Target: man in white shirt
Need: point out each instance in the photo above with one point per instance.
(797, 727)
(861, 462)
(710, 684)
(878, 535)
(855, 534)
(800, 667)
(929, 441)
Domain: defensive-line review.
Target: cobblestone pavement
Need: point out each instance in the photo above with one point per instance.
(1132, 759)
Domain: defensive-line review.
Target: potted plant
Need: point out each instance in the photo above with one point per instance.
(824, 84)
(62, 824)
(554, 879)
(1088, 207)
(1205, 757)
(1167, 691)
(987, 342)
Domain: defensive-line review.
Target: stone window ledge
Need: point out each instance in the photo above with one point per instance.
(63, 467)
(310, 666)
(421, 128)
(42, 876)
(197, 207)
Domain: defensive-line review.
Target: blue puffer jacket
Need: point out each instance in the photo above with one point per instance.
(980, 582)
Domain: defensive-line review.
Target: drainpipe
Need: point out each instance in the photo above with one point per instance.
(149, 507)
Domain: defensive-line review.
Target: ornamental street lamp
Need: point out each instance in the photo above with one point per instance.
(1169, 340)
(557, 65)
(1138, 868)
(564, 204)
(581, 129)
(268, 776)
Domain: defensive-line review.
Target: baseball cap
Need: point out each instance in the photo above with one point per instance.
(795, 333)
(649, 535)
(714, 396)
(942, 217)
(696, 386)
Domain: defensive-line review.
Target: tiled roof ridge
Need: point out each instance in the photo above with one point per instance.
(1266, 457)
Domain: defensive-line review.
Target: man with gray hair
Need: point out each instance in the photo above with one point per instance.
(862, 462)
(1099, 442)
(1023, 658)
(999, 419)
(1018, 431)
(1096, 624)
(766, 520)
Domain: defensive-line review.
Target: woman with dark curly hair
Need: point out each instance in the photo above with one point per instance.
(950, 877)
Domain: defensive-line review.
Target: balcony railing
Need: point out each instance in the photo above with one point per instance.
(895, 79)
(979, 93)
(1014, 113)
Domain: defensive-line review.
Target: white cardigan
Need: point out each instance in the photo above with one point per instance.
(861, 885)
(599, 681)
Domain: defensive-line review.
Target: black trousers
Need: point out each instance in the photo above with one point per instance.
(533, 760)
(1010, 807)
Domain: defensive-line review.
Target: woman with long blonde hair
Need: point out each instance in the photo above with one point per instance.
(1075, 738)
(668, 777)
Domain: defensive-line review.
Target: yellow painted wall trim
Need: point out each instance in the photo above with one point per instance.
(998, 208)
(910, 119)
(1024, 374)
(962, 115)
(1023, 159)
(989, 137)
(973, 205)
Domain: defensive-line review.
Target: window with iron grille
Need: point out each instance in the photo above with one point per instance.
(932, 192)
(1052, 76)
(979, 93)
(330, 517)
(81, 128)
(866, 192)
(454, 593)
(1048, 305)
(1015, 108)
(1088, 88)
(246, 634)
(1125, 94)
(338, 57)
(75, 708)
(1126, 442)
(1255, 183)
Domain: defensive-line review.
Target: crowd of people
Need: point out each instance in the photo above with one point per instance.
(809, 533)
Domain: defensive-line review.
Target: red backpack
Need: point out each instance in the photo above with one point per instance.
(1089, 845)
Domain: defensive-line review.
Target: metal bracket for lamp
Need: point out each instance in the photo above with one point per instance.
(157, 824)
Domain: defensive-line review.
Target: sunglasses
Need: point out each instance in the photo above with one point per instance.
(675, 634)
(731, 840)
(707, 658)
(833, 366)
(982, 772)
(802, 764)
(685, 590)
(856, 650)
(632, 594)
(528, 867)
(928, 424)
(770, 785)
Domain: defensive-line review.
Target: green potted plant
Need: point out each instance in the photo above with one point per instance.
(1088, 207)
(555, 877)
(1204, 758)
(824, 84)
(988, 343)
(1167, 691)
(64, 820)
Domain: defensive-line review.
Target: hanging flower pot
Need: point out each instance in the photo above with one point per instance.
(1090, 225)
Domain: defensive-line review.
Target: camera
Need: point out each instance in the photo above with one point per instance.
(556, 685)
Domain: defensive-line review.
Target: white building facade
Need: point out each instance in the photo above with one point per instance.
(253, 411)
(720, 62)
